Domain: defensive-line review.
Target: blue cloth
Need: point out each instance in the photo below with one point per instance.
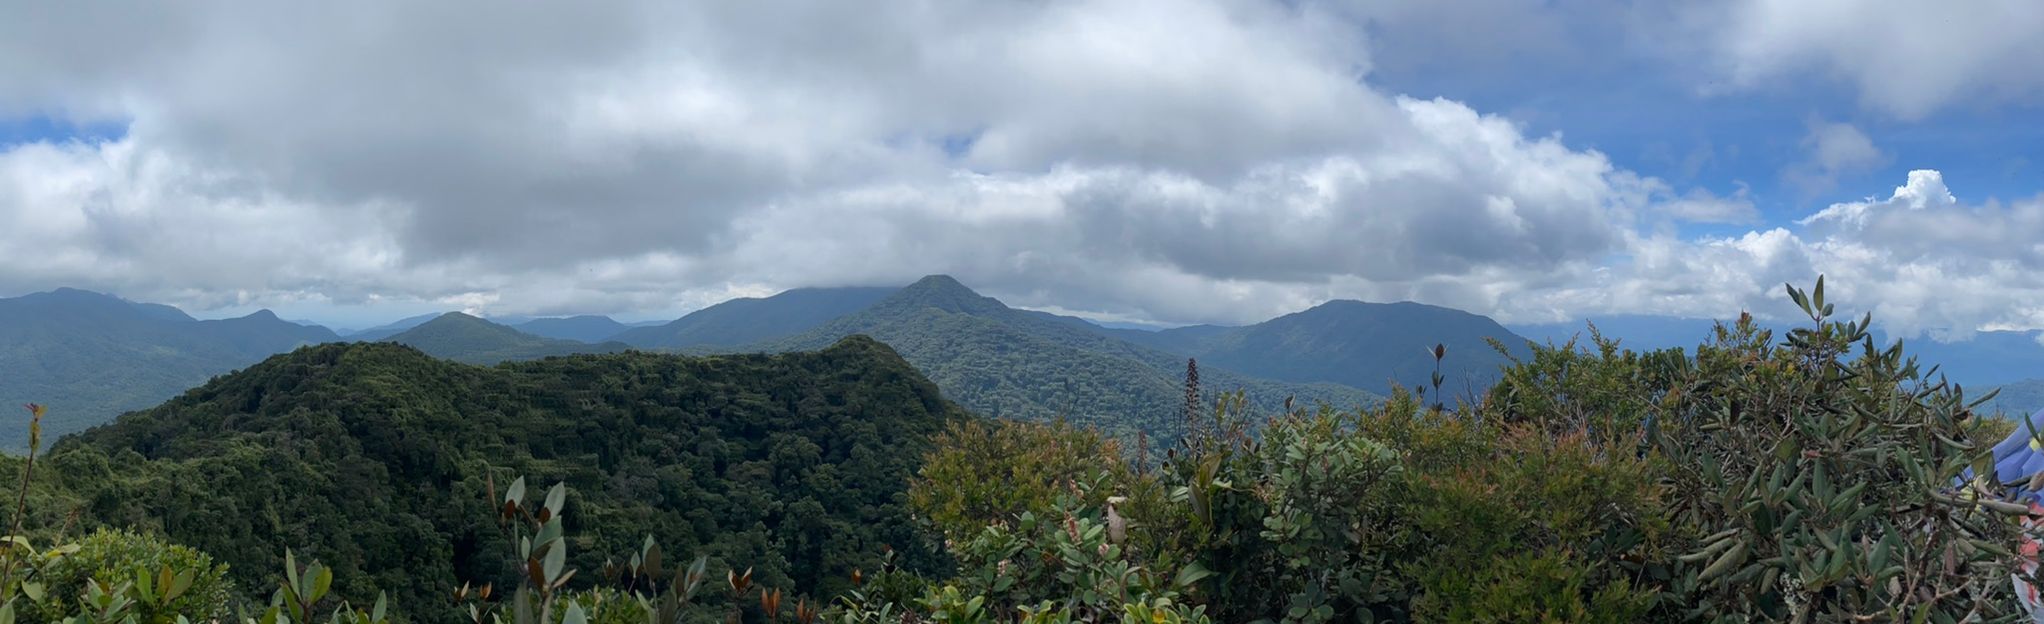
(2016, 460)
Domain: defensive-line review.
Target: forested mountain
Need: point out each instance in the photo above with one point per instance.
(1366, 345)
(465, 338)
(2014, 399)
(91, 356)
(378, 460)
(741, 322)
(1175, 340)
(1000, 361)
(392, 328)
(585, 328)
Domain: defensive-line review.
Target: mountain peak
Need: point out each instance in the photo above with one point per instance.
(938, 281)
(68, 294)
(86, 301)
(586, 327)
(466, 338)
(749, 321)
(452, 322)
(947, 294)
(262, 315)
(1388, 310)
(74, 292)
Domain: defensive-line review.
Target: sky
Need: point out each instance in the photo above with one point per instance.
(1127, 160)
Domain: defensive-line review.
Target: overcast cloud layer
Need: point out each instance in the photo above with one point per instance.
(1129, 159)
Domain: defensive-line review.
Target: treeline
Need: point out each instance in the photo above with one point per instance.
(1811, 476)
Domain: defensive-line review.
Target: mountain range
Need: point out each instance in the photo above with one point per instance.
(89, 356)
(743, 322)
(1004, 362)
(1373, 346)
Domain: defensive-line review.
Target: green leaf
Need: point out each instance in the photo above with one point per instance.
(516, 492)
(143, 585)
(574, 615)
(556, 557)
(291, 571)
(179, 584)
(548, 532)
(1191, 573)
(557, 497)
(1797, 296)
(321, 583)
(651, 563)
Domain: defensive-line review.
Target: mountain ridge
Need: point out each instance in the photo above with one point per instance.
(1013, 363)
(748, 320)
(464, 338)
(90, 356)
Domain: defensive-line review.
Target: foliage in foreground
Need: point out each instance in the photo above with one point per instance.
(1810, 477)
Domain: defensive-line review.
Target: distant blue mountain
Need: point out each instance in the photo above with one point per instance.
(91, 356)
(1633, 331)
(465, 338)
(747, 321)
(394, 328)
(586, 328)
(1371, 346)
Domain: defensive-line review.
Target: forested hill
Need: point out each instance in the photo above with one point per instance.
(747, 321)
(585, 328)
(91, 356)
(1000, 361)
(465, 338)
(375, 458)
(1372, 346)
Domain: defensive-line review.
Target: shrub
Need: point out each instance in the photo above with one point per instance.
(984, 472)
(115, 558)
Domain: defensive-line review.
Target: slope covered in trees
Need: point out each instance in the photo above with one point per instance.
(392, 328)
(91, 356)
(465, 338)
(1004, 362)
(747, 321)
(585, 328)
(1373, 346)
(379, 461)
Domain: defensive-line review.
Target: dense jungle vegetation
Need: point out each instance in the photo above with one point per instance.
(1809, 476)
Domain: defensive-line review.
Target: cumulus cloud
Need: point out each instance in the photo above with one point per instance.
(1833, 149)
(1906, 59)
(650, 156)
(1178, 161)
(1921, 260)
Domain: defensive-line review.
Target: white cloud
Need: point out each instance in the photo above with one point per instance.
(648, 156)
(1839, 147)
(1921, 260)
(1904, 58)
(1832, 150)
(1181, 161)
